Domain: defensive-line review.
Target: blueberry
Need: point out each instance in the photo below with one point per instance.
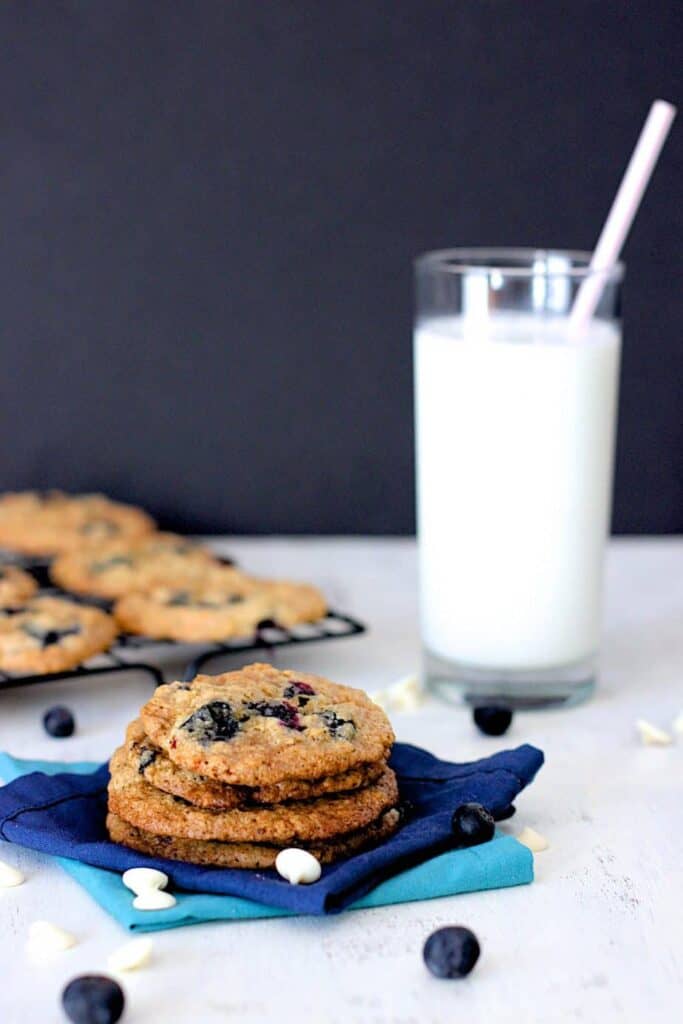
(286, 713)
(451, 952)
(47, 637)
(338, 726)
(296, 688)
(110, 563)
(59, 721)
(93, 999)
(472, 825)
(506, 813)
(212, 722)
(147, 757)
(493, 719)
(302, 691)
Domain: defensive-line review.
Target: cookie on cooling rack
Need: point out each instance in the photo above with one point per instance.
(39, 524)
(217, 605)
(51, 634)
(16, 585)
(259, 726)
(117, 568)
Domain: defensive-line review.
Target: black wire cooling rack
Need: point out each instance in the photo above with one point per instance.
(268, 636)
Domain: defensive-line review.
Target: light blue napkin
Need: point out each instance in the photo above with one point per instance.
(497, 864)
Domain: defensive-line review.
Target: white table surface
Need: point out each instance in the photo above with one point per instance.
(597, 937)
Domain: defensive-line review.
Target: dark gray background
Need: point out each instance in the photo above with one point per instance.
(209, 212)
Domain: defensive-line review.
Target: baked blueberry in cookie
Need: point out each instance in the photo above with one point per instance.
(285, 713)
(47, 637)
(211, 723)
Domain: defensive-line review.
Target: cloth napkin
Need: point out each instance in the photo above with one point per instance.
(62, 813)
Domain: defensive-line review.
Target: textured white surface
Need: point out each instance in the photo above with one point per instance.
(598, 936)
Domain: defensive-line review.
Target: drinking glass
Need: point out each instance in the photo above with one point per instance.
(515, 427)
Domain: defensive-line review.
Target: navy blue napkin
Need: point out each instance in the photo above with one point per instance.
(64, 815)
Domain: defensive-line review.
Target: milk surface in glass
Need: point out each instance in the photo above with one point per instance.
(515, 438)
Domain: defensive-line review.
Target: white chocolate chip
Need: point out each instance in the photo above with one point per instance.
(45, 938)
(9, 876)
(404, 695)
(154, 899)
(651, 735)
(142, 879)
(130, 956)
(147, 884)
(407, 694)
(678, 723)
(381, 699)
(532, 839)
(297, 866)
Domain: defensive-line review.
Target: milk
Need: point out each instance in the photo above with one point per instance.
(515, 438)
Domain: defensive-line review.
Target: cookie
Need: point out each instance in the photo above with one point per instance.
(50, 634)
(157, 769)
(47, 523)
(258, 726)
(152, 810)
(122, 566)
(247, 855)
(221, 604)
(16, 586)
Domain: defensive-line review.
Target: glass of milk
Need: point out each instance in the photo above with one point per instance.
(515, 426)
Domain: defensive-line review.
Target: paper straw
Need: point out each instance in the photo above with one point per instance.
(622, 213)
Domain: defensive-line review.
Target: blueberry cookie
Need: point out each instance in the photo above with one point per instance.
(50, 634)
(220, 604)
(258, 856)
(16, 586)
(135, 801)
(260, 726)
(120, 567)
(157, 769)
(36, 523)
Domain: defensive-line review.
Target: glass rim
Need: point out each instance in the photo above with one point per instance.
(515, 262)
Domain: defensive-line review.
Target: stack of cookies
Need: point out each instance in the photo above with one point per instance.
(228, 770)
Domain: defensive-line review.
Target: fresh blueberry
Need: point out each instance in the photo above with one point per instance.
(93, 999)
(493, 719)
(59, 721)
(472, 825)
(212, 722)
(451, 952)
(506, 813)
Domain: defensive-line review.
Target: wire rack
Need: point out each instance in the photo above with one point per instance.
(148, 652)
